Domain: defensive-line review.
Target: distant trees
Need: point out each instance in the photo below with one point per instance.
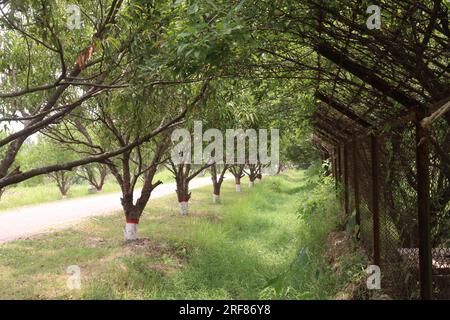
(47, 151)
(64, 180)
(299, 152)
(95, 174)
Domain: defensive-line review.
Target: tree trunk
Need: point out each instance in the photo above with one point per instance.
(237, 171)
(184, 208)
(183, 175)
(259, 173)
(280, 168)
(63, 181)
(132, 216)
(103, 174)
(183, 195)
(238, 183)
(216, 191)
(95, 175)
(217, 181)
(252, 174)
(182, 180)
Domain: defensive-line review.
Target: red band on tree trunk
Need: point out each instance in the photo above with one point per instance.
(134, 221)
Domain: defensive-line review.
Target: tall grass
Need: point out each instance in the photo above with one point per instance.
(310, 276)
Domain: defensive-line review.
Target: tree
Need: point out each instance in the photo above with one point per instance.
(183, 174)
(218, 116)
(238, 172)
(217, 177)
(182, 164)
(95, 174)
(64, 180)
(33, 32)
(252, 174)
(46, 151)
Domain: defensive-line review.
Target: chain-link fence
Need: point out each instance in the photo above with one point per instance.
(381, 187)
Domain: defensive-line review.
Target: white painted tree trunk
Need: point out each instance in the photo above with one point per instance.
(238, 188)
(184, 208)
(131, 231)
(250, 184)
(216, 198)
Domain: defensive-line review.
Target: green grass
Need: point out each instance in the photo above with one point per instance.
(254, 245)
(24, 195)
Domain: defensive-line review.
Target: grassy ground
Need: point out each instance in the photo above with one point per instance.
(255, 245)
(23, 195)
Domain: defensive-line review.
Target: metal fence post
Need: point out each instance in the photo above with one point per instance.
(423, 205)
(356, 182)
(346, 192)
(339, 162)
(335, 174)
(375, 200)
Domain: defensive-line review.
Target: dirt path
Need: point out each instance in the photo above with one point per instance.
(31, 220)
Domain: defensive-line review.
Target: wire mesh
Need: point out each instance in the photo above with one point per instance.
(397, 201)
